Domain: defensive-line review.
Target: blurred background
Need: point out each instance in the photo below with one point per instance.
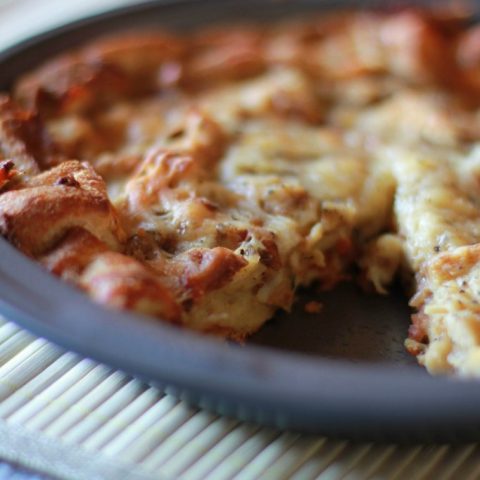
(23, 18)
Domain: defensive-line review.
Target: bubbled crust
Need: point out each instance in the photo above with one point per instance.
(24, 138)
(100, 73)
(209, 269)
(111, 278)
(122, 282)
(190, 158)
(222, 54)
(71, 195)
(73, 253)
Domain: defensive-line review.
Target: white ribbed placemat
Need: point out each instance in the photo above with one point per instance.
(76, 419)
(72, 418)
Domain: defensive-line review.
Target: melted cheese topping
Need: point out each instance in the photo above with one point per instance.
(224, 169)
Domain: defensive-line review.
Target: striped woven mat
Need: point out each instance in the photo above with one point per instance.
(76, 419)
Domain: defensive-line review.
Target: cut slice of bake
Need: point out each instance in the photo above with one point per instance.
(441, 228)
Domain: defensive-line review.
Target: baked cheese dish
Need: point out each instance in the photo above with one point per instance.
(204, 178)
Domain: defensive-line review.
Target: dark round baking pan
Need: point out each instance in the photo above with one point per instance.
(343, 372)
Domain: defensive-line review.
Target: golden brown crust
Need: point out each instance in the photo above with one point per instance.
(69, 257)
(208, 269)
(24, 139)
(122, 282)
(68, 196)
(100, 73)
(224, 54)
(7, 172)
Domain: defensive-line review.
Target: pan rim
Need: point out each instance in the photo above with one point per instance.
(275, 387)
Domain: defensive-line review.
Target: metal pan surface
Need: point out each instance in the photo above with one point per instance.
(344, 373)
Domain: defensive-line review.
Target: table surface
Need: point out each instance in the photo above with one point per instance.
(15, 472)
(72, 418)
